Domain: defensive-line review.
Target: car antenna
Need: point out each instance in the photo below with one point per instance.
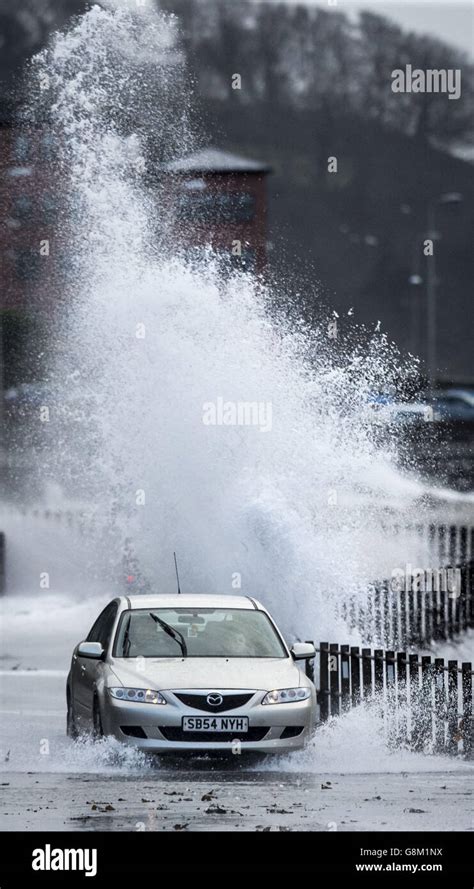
(177, 575)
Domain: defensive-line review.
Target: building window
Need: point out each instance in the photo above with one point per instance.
(26, 263)
(223, 208)
(48, 145)
(22, 207)
(49, 209)
(21, 149)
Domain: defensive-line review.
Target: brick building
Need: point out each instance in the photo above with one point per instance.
(28, 214)
(216, 199)
(219, 200)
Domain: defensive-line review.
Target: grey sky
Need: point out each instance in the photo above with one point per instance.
(452, 21)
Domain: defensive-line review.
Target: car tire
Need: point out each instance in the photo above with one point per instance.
(97, 728)
(71, 729)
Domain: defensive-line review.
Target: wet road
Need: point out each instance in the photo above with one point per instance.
(204, 800)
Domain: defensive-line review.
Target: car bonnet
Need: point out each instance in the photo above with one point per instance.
(196, 672)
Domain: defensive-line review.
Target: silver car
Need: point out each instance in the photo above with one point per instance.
(191, 673)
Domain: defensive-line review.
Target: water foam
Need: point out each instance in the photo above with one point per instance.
(274, 513)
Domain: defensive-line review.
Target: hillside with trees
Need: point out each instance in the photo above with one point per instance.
(315, 85)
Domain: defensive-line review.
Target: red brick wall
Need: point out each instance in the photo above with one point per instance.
(228, 207)
(28, 195)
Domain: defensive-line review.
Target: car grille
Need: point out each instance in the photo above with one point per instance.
(199, 701)
(176, 734)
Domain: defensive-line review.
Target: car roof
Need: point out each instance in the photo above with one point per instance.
(186, 600)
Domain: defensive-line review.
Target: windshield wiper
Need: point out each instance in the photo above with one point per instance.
(175, 634)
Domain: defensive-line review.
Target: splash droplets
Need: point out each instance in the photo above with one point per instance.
(277, 509)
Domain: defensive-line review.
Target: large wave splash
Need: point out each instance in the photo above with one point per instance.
(272, 510)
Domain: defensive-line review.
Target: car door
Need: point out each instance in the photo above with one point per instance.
(87, 670)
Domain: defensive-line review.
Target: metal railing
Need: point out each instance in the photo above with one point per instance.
(424, 702)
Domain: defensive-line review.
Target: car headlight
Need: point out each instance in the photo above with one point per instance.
(286, 695)
(138, 695)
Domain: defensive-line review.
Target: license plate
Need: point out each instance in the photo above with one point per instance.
(215, 724)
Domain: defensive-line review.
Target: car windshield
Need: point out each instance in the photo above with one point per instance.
(206, 632)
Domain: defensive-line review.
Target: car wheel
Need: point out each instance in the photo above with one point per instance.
(97, 730)
(71, 729)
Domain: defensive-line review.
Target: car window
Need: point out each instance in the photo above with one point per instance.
(94, 632)
(106, 628)
(102, 628)
(201, 632)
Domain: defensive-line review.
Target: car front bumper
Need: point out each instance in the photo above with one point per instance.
(272, 728)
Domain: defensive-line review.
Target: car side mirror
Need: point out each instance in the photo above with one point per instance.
(303, 651)
(90, 649)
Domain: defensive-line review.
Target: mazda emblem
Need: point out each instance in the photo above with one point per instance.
(214, 700)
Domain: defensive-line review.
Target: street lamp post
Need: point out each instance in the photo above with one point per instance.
(432, 283)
